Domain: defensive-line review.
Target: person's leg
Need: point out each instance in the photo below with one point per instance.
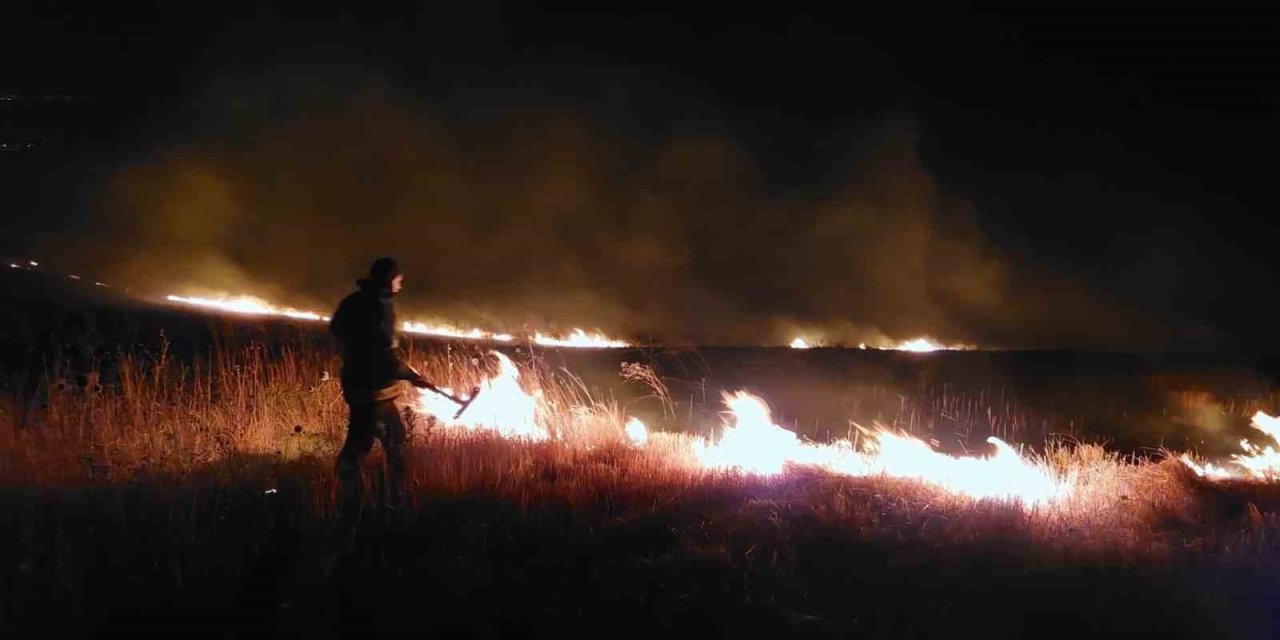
(360, 434)
(393, 443)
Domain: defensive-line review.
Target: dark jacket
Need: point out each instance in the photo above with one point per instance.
(365, 327)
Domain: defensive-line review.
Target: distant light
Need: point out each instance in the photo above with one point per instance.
(799, 343)
(14, 266)
(862, 345)
(74, 277)
(33, 263)
(102, 284)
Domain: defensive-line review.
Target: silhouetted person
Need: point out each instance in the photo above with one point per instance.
(372, 379)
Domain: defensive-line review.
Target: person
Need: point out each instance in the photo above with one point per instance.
(372, 378)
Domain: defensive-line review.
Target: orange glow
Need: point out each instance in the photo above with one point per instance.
(446, 331)
(250, 305)
(1257, 462)
(247, 305)
(922, 344)
(919, 345)
(502, 405)
(751, 442)
(579, 338)
(637, 432)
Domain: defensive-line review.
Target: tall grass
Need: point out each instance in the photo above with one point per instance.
(209, 483)
(283, 404)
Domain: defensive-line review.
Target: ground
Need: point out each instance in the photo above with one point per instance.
(189, 490)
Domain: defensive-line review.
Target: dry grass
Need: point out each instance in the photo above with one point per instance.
(165, 480)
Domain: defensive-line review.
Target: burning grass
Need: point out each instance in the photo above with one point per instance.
(204, 486)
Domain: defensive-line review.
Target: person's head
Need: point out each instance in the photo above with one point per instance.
(385, 274)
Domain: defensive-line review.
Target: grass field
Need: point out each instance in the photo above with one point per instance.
(194, 494)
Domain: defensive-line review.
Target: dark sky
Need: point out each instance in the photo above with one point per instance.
(1039, 179)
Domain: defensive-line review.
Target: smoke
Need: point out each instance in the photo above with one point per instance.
(288, 184)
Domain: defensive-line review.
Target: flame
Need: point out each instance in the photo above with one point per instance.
(753, 443)
(447, 331)
(1208, 469)
(579, 338)
(1004, 475)
(1256, 462)
(922, 344)
(919, 345)
(637, 432)
(249, 305)
(501, 405)
(750, 442)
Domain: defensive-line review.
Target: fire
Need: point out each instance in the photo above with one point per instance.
(446, 331)
(919, 345)
(637, 432)
(1004, 475)
(249, 305)
(1208, 469)
(926, 344)
(1256, 462)
(579, 338)
(502, 405)
(753, 443)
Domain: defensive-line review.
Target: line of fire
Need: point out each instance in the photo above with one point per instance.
(503, 320)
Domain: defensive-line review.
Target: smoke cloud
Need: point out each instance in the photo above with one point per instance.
(286, 185)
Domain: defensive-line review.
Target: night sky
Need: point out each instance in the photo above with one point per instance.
(1049, 179)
